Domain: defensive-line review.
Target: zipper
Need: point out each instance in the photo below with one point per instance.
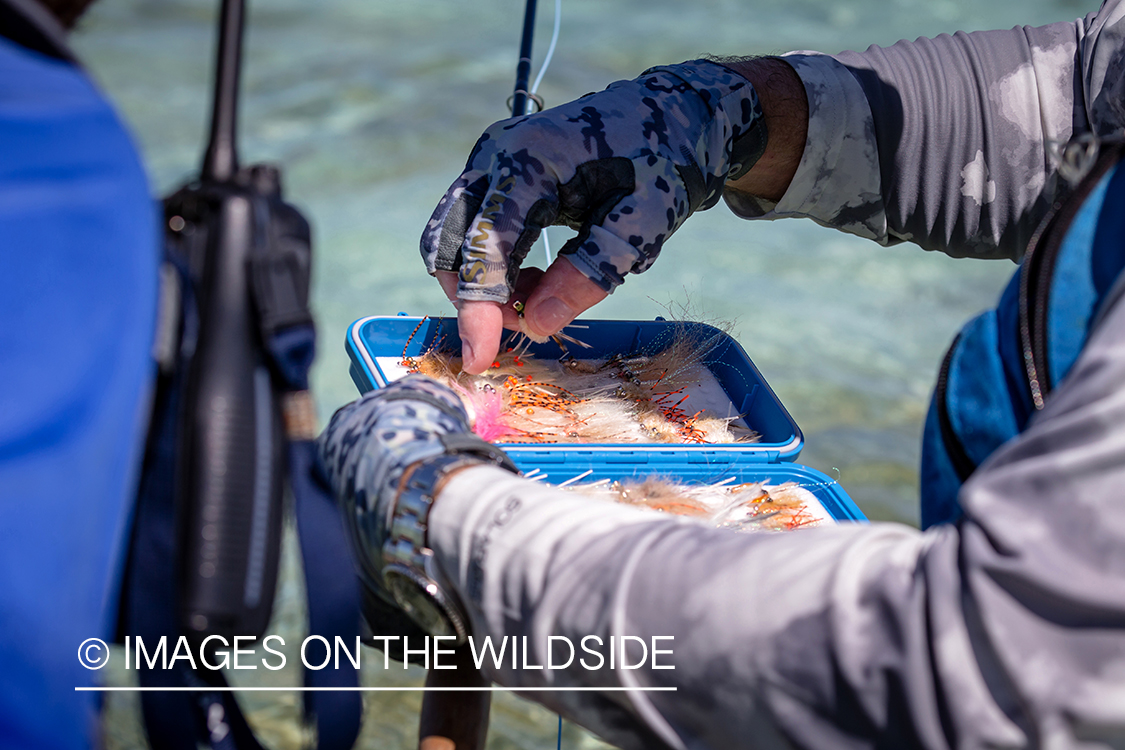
(954, 448)
(1038, 271)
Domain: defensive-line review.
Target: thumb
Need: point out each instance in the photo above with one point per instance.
(562, 294)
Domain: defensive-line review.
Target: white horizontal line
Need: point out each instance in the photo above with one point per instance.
(494, 689)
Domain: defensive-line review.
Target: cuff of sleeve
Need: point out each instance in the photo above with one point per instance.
(837, 183)
(471, 510)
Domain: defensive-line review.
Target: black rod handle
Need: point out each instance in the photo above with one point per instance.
(220, 162)
(523, 69)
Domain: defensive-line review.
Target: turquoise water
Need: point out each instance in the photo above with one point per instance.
(372, 106)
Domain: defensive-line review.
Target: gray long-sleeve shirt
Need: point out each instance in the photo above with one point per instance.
(1005, 630)
(946, 142)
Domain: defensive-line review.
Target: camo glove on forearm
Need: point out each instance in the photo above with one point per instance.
(371, 441)
(367, 447)
(625, 167)
(364, 453)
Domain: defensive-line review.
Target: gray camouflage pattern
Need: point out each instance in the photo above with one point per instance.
(370, 442)
(625, 167)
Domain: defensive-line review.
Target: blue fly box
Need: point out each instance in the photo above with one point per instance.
(378, 345)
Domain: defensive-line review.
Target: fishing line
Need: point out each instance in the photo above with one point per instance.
(550, 47)
(546, 246)
(535, 88)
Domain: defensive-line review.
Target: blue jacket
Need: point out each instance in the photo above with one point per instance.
(78, 291)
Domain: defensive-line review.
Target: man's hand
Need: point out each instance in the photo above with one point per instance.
(625, 167)
(370, 443)
(368, 454)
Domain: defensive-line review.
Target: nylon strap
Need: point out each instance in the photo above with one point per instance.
(333, 595)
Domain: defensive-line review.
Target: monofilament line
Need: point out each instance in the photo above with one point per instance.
(535, 88)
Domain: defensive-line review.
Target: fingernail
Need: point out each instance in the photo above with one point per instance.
(550, 315)
(466, 351)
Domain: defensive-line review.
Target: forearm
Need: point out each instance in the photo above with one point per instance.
(758, 620)
(945, 142)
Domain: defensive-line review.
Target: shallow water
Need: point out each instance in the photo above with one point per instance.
(371, 107)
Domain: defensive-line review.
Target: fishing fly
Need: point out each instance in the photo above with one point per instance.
(643, 396)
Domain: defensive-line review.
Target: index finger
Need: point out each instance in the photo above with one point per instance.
(479, 324)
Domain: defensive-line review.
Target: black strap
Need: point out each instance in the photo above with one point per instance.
(149, 590)
(468, 442)
(954, 448)
(333, 596)
(1037, 271)
(30, 25)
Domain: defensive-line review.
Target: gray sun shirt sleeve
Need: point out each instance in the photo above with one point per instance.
(947, 142)
(1005, 630)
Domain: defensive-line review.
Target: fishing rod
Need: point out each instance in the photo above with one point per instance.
(522, 94)
(446, 714)
(523, 68)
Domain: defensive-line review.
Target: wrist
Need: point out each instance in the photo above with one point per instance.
(725, 107)
(448, 475)
(786, 111)
(410, 572)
